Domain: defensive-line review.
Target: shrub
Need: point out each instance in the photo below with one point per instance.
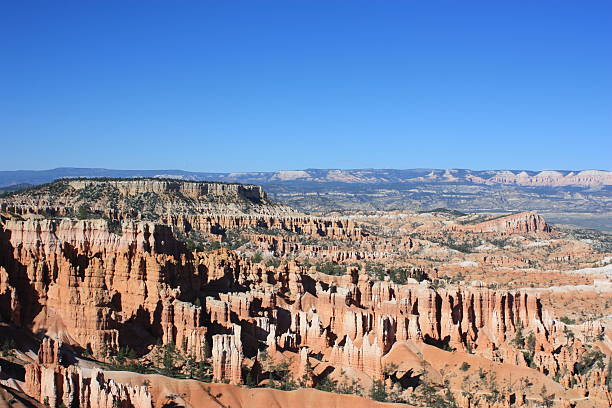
(547, 399)
(114, 226)
(430, 397)
(609, 375)
(83, 212)
(274, 262)
(398, 275)
(588, 361)
(257, 257)
(201, 370)
(567, 320)
(349, 386)
(531, 342)
(280, 377)
(330, 268)
(234, 240)
(530, 353)
(568, 333)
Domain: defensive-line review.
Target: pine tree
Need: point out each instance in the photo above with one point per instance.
(378, 391)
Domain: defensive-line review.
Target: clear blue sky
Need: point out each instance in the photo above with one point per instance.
(265, 85)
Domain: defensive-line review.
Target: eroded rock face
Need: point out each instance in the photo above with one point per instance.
(84, 284)
(338, 228)
(96, 290)
(53, 384)
(227, 357)
(210, 208)
(525, 222)
(196, 190)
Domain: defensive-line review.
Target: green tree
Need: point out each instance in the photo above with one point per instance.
(378, 391)
(519, 337)
(531, 341)
(429, 396)
(609, 375)
(257, 257)
(168, 358)
(348, 385)
(307, 378)
(83, 212)
(327, 384)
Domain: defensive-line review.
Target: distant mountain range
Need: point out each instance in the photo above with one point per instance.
(581, 198)
(548, 178)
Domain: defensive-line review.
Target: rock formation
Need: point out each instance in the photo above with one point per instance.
(521, 223)
(54, 384)
(210, 208)
(92, 291)
(227, 357)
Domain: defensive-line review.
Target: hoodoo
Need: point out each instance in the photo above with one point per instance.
(217, 284)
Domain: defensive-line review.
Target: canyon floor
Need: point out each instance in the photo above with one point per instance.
(153, 292)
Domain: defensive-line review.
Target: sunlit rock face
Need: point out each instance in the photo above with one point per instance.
(84, 288)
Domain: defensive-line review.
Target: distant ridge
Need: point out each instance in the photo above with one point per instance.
(546, 178)
(577, 197)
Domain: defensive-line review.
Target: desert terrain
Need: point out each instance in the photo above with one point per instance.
(158, 292)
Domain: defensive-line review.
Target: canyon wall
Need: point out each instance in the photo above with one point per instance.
(521, 223)
(95, 290)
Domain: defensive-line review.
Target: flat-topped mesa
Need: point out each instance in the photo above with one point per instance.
(192, 189)
(521, 223)
(139, 199)
(210, 208)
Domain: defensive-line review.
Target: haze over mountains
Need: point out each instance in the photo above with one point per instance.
(582, 198)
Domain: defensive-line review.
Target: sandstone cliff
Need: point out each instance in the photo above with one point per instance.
(209, 208)
(525, 222)
(94, 287)
(97, 291)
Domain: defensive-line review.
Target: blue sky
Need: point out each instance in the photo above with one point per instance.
(266, 85)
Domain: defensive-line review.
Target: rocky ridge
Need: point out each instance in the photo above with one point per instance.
(209, 208)
(571, 197)
(549, 178)
(525, 222)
